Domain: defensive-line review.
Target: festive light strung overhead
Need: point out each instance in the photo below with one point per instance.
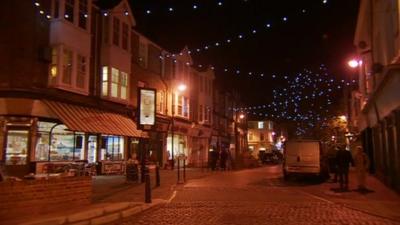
(304, 90)
(240, 35)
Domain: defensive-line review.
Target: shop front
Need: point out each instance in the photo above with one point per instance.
(200, 146)
(179, 142)
(55, 137)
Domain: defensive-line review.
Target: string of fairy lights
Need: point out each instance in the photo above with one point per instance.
(292, 102)
(302, 90)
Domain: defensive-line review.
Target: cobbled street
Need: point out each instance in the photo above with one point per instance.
(257, 196)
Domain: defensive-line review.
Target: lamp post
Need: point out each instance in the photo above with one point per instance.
(180, 88)
(238, 119)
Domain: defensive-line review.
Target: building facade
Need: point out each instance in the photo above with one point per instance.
(69, 91)
(376, 103)
(66, 96)
(260, 137)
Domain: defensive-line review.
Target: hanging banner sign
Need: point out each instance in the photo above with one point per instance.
(147, 108)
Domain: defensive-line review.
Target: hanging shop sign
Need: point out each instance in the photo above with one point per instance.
(147, 108)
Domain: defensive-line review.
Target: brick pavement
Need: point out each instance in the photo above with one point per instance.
(112, 197)
(252, 197)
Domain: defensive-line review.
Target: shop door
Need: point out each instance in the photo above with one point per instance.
(92, 148)
(17, 152)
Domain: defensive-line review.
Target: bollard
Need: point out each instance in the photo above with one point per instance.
(184, 170)
(147, 186)
(157, 176)
(178, 171)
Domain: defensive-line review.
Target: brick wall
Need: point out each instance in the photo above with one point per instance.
(32, 197)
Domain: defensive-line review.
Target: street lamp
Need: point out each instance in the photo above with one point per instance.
(354, 63)
(180, 88)
(238, 119)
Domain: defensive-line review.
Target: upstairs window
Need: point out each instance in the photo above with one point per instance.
(54, 65)
(142, 54)
(201, 113)
(116, 31)
(104, 90)
(182, 106)
(124, 85)
(114, 85)
(81, 76)
(69, 10)
(114, 82)
(160, 102)
(83, 13)
(67, 67)
(125, 36)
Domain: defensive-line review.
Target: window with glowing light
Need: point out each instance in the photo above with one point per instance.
(160, 102)
(124, 85)
(114, 84)
(54, 65)
(104, 90)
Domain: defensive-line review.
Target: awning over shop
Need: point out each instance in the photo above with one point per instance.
(91, 120)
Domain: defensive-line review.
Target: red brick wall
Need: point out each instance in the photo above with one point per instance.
(43, 196)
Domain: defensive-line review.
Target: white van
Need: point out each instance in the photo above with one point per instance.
(301, 157)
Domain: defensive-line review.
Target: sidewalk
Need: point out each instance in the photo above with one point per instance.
(378, 200)
(113, 199)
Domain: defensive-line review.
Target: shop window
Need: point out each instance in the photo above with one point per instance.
(65, 145)
(112, 148)
(17, 147)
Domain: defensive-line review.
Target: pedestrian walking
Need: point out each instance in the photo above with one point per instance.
(222, 159)
(343, 160)
(213, 159)
(332, 151)
(361, 161)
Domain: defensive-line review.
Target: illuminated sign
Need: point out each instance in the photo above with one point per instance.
(147, 108)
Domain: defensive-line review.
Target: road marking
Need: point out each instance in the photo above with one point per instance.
(172, 197)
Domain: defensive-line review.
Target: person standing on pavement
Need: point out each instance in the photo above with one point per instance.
(361, 161)
(343, 160)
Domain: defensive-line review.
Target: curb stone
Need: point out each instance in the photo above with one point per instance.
(103, 215)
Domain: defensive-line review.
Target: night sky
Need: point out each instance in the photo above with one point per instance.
(322, 34)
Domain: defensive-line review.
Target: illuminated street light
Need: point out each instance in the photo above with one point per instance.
(354, 63)
(182, 87)
(241, 116)
(343, 118)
